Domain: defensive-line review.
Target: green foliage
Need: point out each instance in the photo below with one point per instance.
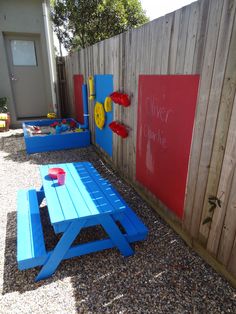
(3, 105)
(81, 23)
(214, 202)
(206, 220)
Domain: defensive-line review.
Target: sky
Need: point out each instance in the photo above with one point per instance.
(155, 9)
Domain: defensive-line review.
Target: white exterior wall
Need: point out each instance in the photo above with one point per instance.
(26, 17)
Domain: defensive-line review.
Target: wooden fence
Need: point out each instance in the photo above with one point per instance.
(197, 39)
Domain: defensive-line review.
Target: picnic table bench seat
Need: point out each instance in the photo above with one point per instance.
(31, 249)
(134, 228)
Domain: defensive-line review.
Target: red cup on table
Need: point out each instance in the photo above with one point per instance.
(61, 177)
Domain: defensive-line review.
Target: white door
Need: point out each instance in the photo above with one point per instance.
(27, 76)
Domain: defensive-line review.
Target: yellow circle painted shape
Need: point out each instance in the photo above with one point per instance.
(99, 115)
(108, 104)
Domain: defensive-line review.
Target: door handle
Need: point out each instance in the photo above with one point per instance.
(13, 78)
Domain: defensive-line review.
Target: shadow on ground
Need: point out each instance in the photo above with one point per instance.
(72, 155)
(13, 146)
(164, 275)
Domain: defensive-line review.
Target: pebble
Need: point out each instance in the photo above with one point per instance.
(164, 275)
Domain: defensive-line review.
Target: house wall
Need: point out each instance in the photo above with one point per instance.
(197, 39)
(23, 17)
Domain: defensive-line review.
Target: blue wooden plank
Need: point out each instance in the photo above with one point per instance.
(134, 231)
(118, 200)
(115, 235)
(99, 189)
(79, 250)
(125, 222)
(54, 195)
(24, 246)
(36, 226)
(30, 241)
(95, 192)
(64, 195)
(90, 247)
(40, 196)
(32, 262)
(136, 221)
(106, 188)
(54, 206)
(60, 250)
(80, 195)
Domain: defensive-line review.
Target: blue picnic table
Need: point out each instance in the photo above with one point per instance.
(86, 199)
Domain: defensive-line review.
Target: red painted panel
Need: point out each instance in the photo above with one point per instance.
(166, 110)
(78, 99)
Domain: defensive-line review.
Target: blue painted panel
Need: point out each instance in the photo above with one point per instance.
(103, 88)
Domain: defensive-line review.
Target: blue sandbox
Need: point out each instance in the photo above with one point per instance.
(46, 143)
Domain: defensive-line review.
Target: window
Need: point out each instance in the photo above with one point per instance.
(23, 52)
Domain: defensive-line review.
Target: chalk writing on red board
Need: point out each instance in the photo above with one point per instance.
(155, 136)
(158, 110)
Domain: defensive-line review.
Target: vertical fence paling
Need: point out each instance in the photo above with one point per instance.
(199, 38)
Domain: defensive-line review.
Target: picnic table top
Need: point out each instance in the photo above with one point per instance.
(85, 193)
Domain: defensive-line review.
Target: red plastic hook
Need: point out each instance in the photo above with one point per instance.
(119, 129)
(121, 99)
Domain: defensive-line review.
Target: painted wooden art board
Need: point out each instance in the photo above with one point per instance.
(78, 98)
(166, 110)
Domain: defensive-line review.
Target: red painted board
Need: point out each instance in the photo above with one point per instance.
(166, 110)
(78, 98)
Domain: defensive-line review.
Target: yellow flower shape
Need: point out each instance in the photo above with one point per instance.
(99, 115)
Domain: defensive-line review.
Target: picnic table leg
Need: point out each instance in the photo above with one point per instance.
(60, 250)
(40, 195)
(115, 235)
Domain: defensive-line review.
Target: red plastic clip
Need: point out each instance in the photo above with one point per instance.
(119, 129)
(73, 124)
(54, 124)
(121, 99)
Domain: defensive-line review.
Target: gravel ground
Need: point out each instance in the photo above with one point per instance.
(164, 275)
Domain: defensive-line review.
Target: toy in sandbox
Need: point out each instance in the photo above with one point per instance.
(51, 115)
(4, 121)
(57, 134)
(4, 115)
